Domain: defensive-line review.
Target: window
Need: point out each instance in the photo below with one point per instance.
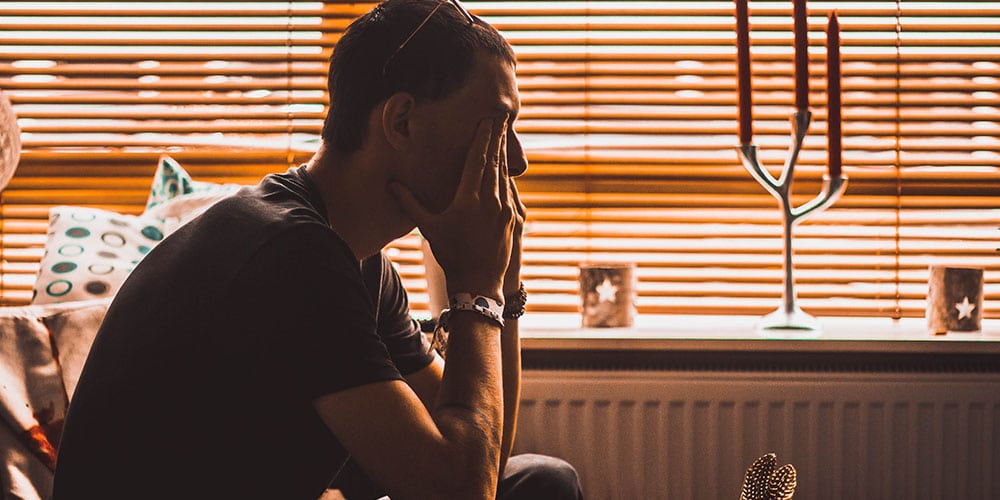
(629, 118)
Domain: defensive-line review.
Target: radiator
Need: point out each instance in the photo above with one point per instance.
(691, 435)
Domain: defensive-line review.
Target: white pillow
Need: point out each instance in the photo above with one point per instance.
(176, 212)
(90, 252)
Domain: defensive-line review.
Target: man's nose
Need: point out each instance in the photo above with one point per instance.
(517, 162)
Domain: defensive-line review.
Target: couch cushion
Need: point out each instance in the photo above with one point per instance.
(22, 473)
(35, 343)
(32, 396)
(72, 331)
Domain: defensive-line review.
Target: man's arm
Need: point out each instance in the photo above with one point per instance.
(450, 452)
(510, 337)
(426, 382)
(510, 347)
(453, 451)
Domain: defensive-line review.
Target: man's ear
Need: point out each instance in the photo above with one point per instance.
(396, 119)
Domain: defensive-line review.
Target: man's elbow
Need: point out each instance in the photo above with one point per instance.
(471, 452)
(475, 480)
(460, 476)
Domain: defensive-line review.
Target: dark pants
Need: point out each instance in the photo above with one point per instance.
(527, 477)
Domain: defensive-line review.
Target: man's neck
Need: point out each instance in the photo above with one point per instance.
(358, 205)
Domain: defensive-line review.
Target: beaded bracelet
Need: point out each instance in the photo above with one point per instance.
(514, 307)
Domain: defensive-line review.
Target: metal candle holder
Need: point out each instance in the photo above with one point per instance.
(789, 320)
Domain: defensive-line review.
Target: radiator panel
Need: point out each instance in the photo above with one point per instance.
(691, 435)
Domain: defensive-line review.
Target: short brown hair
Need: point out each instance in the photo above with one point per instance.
(432, 65)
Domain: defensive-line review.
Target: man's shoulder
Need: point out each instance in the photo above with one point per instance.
(254, 216)
(218, 244)
(285, 198)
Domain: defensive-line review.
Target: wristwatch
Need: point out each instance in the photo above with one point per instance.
(514, 303)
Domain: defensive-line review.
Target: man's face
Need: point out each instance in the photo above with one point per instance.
(450, 125)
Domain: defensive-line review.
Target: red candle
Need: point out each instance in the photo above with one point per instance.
(801, 16)
(833, 123)
(743, 71)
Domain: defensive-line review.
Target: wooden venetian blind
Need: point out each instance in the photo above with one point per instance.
(629, 118)
(231, 90)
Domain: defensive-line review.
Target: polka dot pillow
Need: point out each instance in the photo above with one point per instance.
(90, 252)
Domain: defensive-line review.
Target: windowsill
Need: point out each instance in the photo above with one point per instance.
(736, 333)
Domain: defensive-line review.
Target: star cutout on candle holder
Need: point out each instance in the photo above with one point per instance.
(606, 291)
(965, 308)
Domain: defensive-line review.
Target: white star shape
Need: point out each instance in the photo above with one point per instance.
(606, 291)
(965, 308)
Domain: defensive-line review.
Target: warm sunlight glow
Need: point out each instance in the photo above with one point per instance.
(628, 118)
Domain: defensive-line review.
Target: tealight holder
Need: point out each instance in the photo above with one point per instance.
(607, 295)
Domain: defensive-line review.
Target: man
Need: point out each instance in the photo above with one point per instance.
(261, 345)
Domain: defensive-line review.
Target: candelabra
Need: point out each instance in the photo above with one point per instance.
(789, 320)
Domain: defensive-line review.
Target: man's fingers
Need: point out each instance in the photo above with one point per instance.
(491, 172)
(503, 182)
(477, 156)
(519, 207)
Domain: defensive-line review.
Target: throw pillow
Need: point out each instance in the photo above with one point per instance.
(178, 211)
(90, 252)
(175, 198)
(171, 181)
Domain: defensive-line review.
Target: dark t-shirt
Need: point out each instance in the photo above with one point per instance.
(201, 379)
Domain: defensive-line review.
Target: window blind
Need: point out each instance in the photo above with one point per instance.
(628, 118)
(231, 90)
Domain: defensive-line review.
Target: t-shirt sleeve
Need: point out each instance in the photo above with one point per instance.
(407, 345)
(303, 301)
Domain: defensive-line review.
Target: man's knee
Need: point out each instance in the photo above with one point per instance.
(539, 476)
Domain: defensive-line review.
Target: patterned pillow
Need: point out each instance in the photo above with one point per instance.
(175, 198)
(90, 252)
(171, 181)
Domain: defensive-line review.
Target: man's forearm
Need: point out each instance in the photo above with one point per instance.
(469, 407)
(510, 346)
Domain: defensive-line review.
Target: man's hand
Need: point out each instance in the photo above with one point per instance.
(472, 238)
(512, 278)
